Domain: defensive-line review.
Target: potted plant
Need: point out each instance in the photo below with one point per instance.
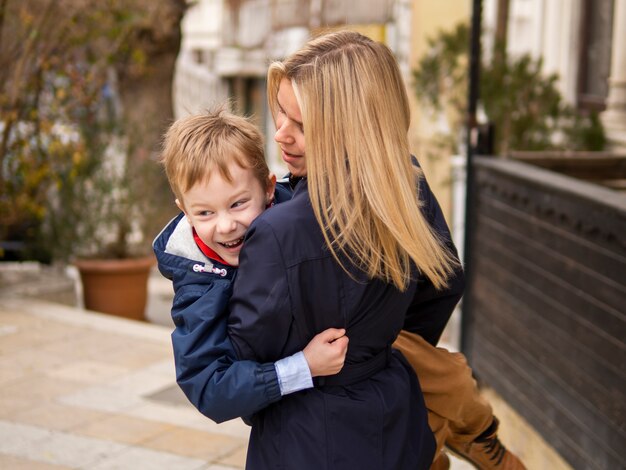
(523, 103)
(100, 217)
(112, 247)
(85, 96)
(110, 201)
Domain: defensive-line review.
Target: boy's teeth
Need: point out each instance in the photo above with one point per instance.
(231, 244)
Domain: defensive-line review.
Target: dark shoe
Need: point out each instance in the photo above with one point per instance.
(442, 462)
(486, 452)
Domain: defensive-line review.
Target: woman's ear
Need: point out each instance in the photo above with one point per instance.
(271, 186)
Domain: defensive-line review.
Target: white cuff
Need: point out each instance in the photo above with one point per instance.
(293, 374)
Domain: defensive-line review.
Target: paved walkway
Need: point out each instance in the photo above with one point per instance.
(91, 391)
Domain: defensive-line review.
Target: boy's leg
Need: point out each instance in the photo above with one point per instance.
(457, 414)
(454, 404)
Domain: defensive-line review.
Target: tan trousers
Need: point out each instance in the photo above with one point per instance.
(455, 408)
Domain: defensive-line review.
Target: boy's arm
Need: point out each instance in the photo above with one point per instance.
(207, 369)
(218, 384)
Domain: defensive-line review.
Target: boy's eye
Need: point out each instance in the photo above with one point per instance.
(239, 203)
(205, 213)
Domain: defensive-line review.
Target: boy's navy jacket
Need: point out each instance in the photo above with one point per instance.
(207, 370)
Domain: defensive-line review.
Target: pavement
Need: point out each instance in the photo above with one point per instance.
(84, 390)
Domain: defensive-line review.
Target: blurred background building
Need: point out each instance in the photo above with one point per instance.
(228, 44)
(583, 41)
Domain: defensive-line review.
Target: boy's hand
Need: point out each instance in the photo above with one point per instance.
(326, 352)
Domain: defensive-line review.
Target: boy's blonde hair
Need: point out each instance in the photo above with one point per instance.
(194, 146)
(361, 180)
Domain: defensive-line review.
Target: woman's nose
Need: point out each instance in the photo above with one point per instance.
(282, 135)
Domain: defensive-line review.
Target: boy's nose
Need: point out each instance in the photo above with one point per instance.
(225, 224)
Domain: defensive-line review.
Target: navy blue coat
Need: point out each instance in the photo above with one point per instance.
(207, 370)
(289, 288)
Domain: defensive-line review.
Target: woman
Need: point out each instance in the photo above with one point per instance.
(347, 252)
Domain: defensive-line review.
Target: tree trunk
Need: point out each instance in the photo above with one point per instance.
(146, 89)
(502, 25)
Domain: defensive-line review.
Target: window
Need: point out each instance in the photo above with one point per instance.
(595, 54)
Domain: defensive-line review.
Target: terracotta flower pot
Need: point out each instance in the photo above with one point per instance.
(116, 286)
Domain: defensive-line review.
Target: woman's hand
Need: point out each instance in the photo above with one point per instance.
(326, 352)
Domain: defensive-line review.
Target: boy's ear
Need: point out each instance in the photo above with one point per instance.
(271, 186)
(182, 208)
(179, 204)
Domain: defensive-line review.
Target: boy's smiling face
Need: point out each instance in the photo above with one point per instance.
(222, 211)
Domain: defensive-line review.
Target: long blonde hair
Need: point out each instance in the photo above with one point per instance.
(361, 180)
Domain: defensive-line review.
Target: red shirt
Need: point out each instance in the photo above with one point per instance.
(208, 251)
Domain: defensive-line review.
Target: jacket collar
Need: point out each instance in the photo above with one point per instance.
(294, 180)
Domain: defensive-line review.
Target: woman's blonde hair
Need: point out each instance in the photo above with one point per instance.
(362, 183)
(194, 146)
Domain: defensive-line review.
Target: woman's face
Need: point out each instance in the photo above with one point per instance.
(289, 131)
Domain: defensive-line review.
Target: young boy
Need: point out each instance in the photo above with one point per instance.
(216, 168)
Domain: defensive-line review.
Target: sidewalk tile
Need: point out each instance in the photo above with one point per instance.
(142, 382)
(102, 398)
(18, 463)
(40, 388)
(91, 372)
(237, 458)
(85, 344)
(57, 416)
(164, 367)
(33, 360)
(185, 416)
(19, 439)
(10, 373)
(140, 354)
(15, 338)
(193, 443)
(145, 459)
(13, 404)
(123, 429)
(74, 451)
(17, 318)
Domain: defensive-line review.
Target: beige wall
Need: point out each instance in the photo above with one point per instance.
(428, 17)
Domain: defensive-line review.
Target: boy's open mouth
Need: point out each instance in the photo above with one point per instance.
(233, 244)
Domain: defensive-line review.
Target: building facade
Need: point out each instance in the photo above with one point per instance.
(584, 42)
(228, 44)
